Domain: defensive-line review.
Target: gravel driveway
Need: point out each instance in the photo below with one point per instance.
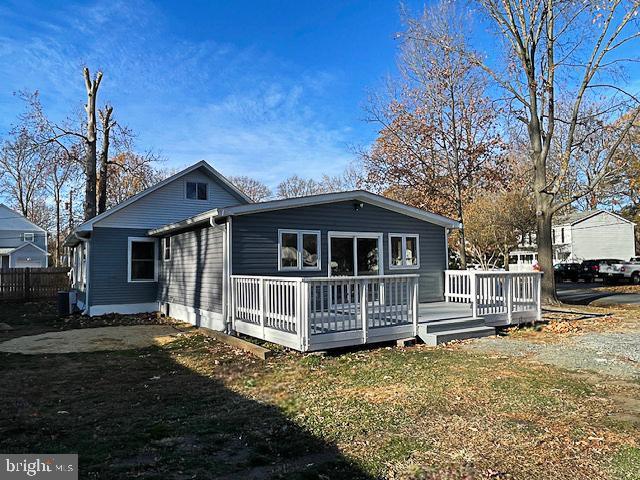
(608, 353)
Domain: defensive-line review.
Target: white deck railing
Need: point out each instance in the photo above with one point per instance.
(324, 312)
(501, 298)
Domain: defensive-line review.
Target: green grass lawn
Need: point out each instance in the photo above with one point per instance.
(199, 409)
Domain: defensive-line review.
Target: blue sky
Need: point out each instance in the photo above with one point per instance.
(262, 88)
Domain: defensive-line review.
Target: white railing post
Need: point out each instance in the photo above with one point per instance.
(415, 305)
(364, 315)
(538, 280)
(232, 299)
(261, 303)
(473, 284)
(508, 294)
(306, 310)
(447, 287)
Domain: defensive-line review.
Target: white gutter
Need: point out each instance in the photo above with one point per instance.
(87, 272)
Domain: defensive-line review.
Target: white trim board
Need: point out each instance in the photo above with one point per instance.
(123, 308)
(355, 235)
(403, 248)
(299, 246)
(195, 316)
(28, 244)
(130, 240)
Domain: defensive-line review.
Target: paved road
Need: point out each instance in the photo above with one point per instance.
(585, 293)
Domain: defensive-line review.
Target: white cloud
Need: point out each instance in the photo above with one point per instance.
(243, 109)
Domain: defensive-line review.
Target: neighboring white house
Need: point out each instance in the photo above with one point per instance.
(581, 236)
(22, 242)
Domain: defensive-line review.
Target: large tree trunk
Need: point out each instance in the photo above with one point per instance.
(105, 117)
(462, 251)
(90, 145)
(545, 257)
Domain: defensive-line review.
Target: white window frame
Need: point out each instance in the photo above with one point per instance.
(28, 234)
(130, 240)
(300, 266)
(404, 265)
(354, 236)
(166, 249)
(187, 182)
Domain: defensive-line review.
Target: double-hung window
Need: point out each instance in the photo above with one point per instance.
(298, 250)
(142, 260)
(196, 191)
(166, 248)
(403, 251)
(28, 237)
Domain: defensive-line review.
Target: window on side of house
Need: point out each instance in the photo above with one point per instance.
(142, 260)
(562, 235)
(28, 237)
(197, 191)
(166, 248)
(404, 250)
(298, 250)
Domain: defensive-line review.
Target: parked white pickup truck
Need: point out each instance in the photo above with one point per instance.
(625, 271)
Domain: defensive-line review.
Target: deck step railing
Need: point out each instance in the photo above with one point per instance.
(312, 313)
(502, 298)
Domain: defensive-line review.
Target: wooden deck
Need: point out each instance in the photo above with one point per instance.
(320, 313)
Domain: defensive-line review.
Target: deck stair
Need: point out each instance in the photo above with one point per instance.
(442, 331)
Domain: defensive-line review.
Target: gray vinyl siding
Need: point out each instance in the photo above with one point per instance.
(29, 252)
(108, 270)
(193, 275)
(169, 204)
(14, 238)
(603, 236)
(255, 240)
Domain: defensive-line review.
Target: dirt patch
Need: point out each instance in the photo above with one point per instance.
(92, 340)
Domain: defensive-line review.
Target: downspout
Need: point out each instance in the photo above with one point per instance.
(87, 272)
(226, 271)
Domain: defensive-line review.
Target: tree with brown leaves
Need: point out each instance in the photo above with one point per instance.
(439, 138)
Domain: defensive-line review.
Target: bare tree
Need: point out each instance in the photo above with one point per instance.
(22, 171)
(296, 186)
(107, 126)
(252, 188)
(570, 52)
(61, 174)
(130, 173)
(90, 139)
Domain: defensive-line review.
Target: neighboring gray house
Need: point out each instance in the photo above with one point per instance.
(312, 272)
(22, 243)
(578, 236)
(592, 235)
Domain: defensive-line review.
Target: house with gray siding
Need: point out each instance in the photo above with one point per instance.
(592, 235)
(23, 244)
(115, 267)
(313, 272)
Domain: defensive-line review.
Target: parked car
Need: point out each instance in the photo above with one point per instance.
(567, 271)
(592, 270)
(628, 272)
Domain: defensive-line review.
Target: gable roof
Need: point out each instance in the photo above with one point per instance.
(12, 220)
(353, 195)
(30, 244)
(577, 217)
(88, 225)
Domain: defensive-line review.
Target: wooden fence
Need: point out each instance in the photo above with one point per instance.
(33, 283)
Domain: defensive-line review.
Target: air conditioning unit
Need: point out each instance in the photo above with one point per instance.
(67, 302)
